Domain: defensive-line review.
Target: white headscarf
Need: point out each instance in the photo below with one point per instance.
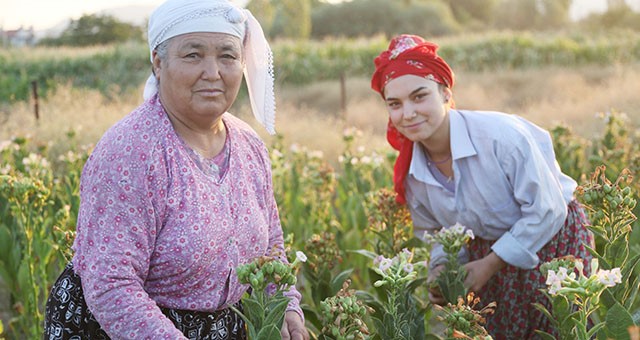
(176, 17)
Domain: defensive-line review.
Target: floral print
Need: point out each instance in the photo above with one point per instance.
(156, 230)
(515, 289)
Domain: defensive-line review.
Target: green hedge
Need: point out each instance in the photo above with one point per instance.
(122, 67)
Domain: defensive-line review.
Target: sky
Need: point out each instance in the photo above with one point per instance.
(45, 14)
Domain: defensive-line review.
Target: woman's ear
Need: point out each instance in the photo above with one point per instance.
(446, 94)
(156, 65)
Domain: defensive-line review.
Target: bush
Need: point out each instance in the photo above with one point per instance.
(381, 17)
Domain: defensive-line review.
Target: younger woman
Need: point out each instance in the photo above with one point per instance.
(492, 172)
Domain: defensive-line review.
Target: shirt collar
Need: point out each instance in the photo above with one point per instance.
(461, 147)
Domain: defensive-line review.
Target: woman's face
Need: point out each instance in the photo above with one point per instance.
(417, 106)
(200, 75)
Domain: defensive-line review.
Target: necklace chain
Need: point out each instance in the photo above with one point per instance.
(431, 161)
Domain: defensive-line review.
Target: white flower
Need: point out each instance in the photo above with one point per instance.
(457, 228)
(469, 233)
(300, 256)
(277, 154)
(562, 273)
(408, 268)
(579, 265)
(553, 278)
(407, 252)
(5, 144)
(377, 160)
(554, 288)
(316, 154)
(378, 259)
(385, 264)
(609, 278)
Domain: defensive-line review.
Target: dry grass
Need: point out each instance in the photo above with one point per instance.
(312, 116)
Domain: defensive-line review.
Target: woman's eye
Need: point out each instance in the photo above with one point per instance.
(229, 56)
(191, 55)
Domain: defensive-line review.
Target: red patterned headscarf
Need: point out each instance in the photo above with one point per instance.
(407, 54)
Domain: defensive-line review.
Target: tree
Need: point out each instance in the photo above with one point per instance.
(469, 11)
(532, 14)
(360, 18)
(297, 17)
(93, 29)
(284, 18)
(552, 13)
(618, 16)
(264, 11)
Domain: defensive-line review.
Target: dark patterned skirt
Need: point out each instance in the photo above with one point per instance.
(515, 289)
(68, 317)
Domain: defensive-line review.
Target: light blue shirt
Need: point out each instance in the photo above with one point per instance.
(508, 187)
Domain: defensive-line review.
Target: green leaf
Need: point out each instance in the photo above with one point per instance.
(336, 283)
(276, 312)
(546, 313)
(635, 288)
(618, 251)
(618, 320)
(607, 299)
(269, 332)
(418, 282)
(604, 264)
(6, 242)
(365, 252)
(545, 335)
(595, 329)
(253, 310)
(413, 242)
(246, 320)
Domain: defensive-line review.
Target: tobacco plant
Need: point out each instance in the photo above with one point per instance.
(610, 206)
(575, 297)
(264, 306)
(450, 281)
(343, 316)
(463, 320)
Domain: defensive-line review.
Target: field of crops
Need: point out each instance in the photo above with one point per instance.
(338, 212)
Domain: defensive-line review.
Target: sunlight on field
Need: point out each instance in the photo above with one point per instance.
(85, 112)
(311, 116)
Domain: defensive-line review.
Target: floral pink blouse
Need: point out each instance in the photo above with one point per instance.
(155, 229)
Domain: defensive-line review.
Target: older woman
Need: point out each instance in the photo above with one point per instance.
(492, 172)
(178, 193)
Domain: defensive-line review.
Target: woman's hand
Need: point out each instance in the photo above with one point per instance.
(480, 271)
(435, 296)
(293, 327)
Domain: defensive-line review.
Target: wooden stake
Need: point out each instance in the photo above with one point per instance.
(34, 92)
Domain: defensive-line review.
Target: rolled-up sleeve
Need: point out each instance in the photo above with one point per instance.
(542, 205)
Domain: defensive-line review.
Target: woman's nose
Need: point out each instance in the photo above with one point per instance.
(211, 69)
(408, 111)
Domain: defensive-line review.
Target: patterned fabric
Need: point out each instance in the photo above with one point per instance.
(68, 317)
(515, 289)
(154, 229)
